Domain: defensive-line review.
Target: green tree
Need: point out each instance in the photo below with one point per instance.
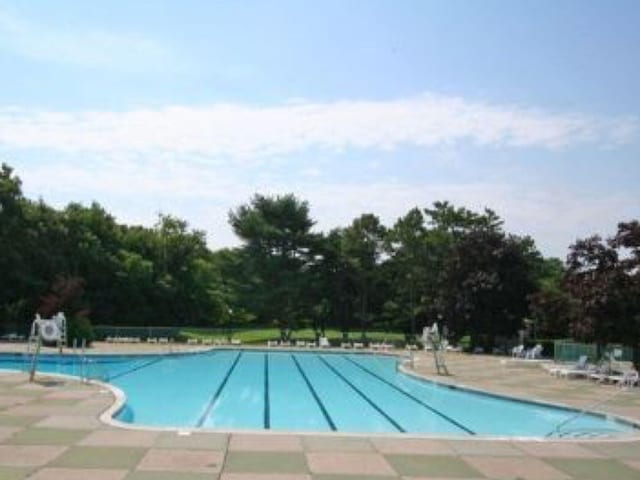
(363, 246)
(278, 244)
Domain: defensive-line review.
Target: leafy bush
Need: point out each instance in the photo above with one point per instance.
(78, 329)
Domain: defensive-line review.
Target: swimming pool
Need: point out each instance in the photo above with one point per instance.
(312, 391)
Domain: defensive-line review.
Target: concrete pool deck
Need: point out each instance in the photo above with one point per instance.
(50, 431)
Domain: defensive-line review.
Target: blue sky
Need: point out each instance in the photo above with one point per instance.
(530, 108)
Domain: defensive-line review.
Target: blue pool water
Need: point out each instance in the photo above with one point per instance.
(309, 391)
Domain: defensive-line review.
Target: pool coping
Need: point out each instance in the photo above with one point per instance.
(108, 416)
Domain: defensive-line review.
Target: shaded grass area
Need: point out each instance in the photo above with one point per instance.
(262, 335)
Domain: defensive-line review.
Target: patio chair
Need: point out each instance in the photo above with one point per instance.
(345, 345)
(625, 379)
(323, 342)
(516, 352)
(581, 364)
(534, 353)
(580, 369)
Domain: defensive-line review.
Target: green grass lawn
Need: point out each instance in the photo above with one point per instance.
(262, 335)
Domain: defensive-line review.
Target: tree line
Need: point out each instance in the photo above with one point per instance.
(440, 263)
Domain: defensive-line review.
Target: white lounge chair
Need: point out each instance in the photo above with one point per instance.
(625, 379)
(323, 342)
(517, 352)
(534, 353)
(580, 369)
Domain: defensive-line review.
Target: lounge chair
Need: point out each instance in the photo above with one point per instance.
(345, 345)
(534, 353)
(358, 345)
(301, 343)
(625, 379)
(517, 352)
(323, 342)
(580, 369)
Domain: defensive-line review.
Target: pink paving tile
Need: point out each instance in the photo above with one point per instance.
(71, 422)
(120, 438)
(559, 450)
(633, 463)
(264, 476)
(349, 463)
(71, 394)
(264, 443)
(442, 478)
(41, 409)
(412, 446)
(26, 456)
(509, 468)
(78, 474)
(195, 461)
(6, 432)
(12, 400)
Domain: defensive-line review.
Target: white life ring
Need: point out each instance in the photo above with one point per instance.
(49, 330)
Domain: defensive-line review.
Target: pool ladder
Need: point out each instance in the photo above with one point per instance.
(557, 430)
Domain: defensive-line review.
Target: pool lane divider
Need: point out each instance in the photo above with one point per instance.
(135, 369)
(323, 409)
(215, 396)
(363, 395)
(408, 395)
(267, 413)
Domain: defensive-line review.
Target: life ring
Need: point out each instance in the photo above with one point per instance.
(49, 330)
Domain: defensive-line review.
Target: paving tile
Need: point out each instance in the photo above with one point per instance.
(508, 468)
(336, 444)
(196, 440)
(616, 449)
(25, 456)
(444, 478)
(175, 460)
(100, 457)
(352, 477)
(265, 443)
(19, 420)
(74, 394)
(78, 474)
(7, 432)
(595, 469)
(120, 438)
(556, 449)
(69, 422)
(268, 476)
(265, 462)
(42, 408)
(633, 464)
(484, 447)
(371, 464)
(412, 446)
(431, 465)
(47, 436)
(14, 473)
(138, 475)
(13, 400)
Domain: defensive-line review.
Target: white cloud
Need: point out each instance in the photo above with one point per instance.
(203, 195)
(255, 132)
(120, 51)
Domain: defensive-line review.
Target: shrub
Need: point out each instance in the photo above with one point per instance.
(78, 329)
